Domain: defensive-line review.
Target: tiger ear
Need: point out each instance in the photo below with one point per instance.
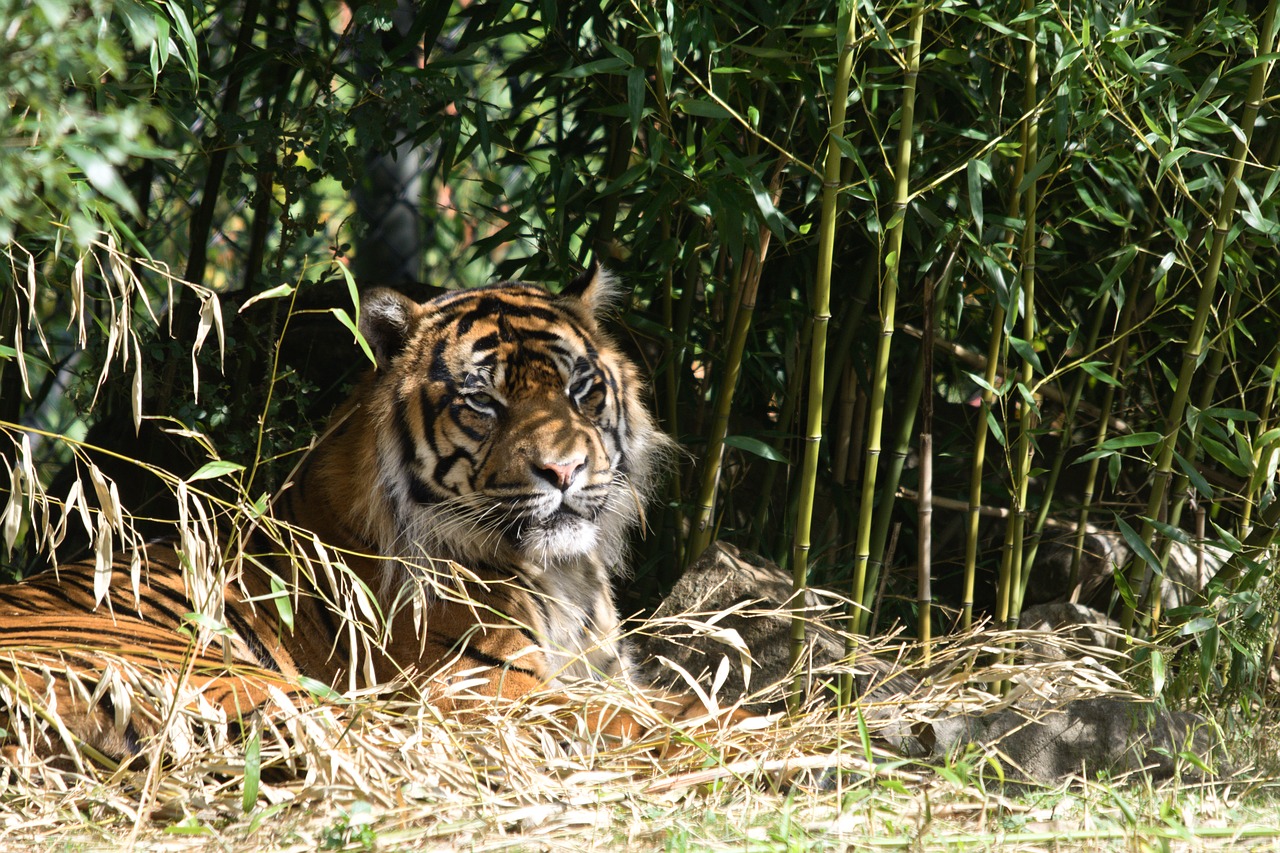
(597, 288)
(385, 319)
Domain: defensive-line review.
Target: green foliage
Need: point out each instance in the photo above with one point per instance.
(76, 112)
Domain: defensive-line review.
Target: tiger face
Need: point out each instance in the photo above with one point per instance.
(516, 434)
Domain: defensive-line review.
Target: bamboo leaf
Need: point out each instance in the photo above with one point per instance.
(1194, 476)
(974, 172)
(1027, 352)
(1232, 462)
(345, 319)
(277, 292)
(704, 109)
(252, 768)
(1137, 439)
(608, 65)
(1157, 672)
(635, 99)
(216, 468)
(1094, 369)
(103, 176)
(755, 446)
(1139, 547)
(1252, 214)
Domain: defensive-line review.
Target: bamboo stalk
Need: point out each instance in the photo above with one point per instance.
(1118, 356)
(786, 419)
(1194, 349)
(1257, 477)
(1010, 598)
(1262, 451)
(1008, 607)
(917, 390)
(850, 323)
(749, 270)
(924, 504)
(996, 348)
(821, 317)
(1059, 459)
(1208, 387)
(888, 308)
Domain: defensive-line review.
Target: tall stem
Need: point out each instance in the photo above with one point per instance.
(995, 352)
(916, 392)
(888, 310)
(821, 314)
(1008, 615)
(748, 282)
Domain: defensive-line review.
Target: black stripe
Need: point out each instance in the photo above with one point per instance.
(438, 367)
(408, 445)
(256, 648)
(488, 341)
(461, 647)
(420, 492)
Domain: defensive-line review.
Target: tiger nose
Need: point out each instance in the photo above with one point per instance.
(560, 474)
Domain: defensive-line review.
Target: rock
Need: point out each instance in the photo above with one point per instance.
(730, 613)
(1099, 735)
(1190, 568)
(1080, 625)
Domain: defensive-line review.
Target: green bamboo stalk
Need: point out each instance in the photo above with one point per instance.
(1059, 459)
(702, 530)
(1214, 368)
(1211, 373)
(846, 404)
(996, 348)
(1261, 449)
(786, 419)
(916, 391)
(1118, 356)
(749, 271)
(888, 309)
(821, 316)
(1208, 291)
(855, 310)
(1008, 616)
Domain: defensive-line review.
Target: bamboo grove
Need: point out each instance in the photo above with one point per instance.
(925, 289)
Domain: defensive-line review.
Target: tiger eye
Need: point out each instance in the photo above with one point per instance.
(481, 402)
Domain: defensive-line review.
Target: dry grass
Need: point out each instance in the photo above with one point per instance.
(377, 772)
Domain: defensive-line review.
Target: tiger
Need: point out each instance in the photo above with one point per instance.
(480, 484)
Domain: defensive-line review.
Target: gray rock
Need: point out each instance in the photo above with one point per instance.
(1087, 737)
(1190, 568)
(1080, 625)
(729, 614)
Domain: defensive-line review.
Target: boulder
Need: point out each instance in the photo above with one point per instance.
(727, 624)
(1078, 625)
(1087, 737)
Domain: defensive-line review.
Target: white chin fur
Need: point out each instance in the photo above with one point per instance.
(570, 538)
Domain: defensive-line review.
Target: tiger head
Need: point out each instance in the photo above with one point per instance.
(501, 427)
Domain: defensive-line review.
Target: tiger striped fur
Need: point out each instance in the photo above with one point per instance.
(500, 430)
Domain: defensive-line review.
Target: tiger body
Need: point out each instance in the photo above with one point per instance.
(479, 485)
